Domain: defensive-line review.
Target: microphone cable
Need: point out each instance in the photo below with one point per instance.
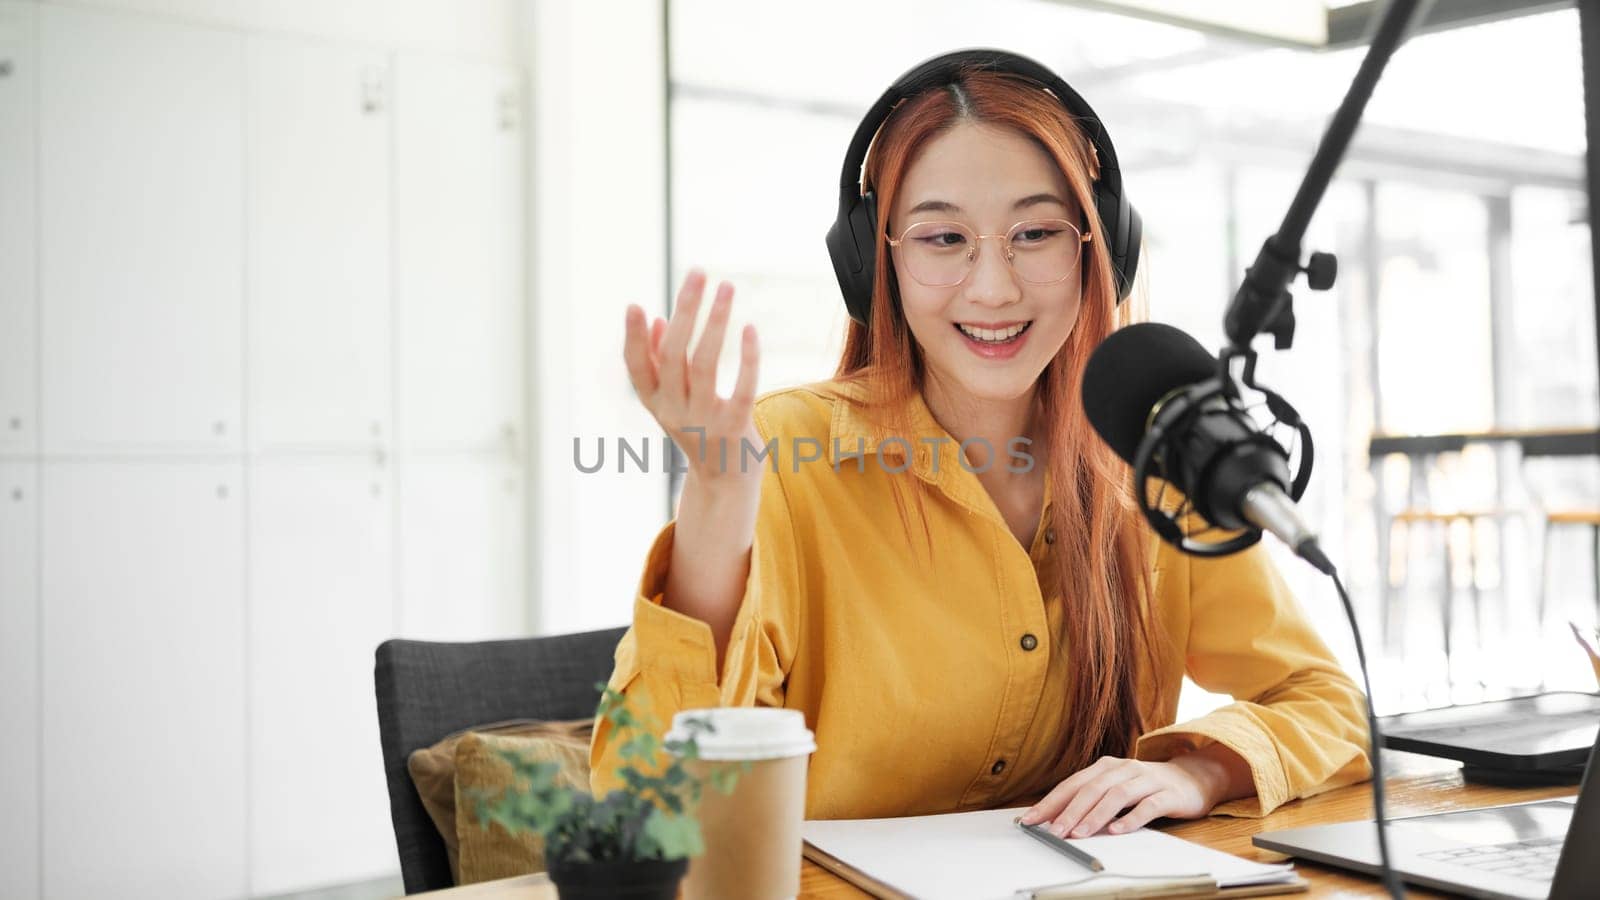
(1390, 882)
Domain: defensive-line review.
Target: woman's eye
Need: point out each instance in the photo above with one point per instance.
(1035, 235)
(943, 239)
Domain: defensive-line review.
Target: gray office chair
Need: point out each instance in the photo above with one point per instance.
(427, 690)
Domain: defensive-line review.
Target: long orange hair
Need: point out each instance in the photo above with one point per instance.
(1100, 551)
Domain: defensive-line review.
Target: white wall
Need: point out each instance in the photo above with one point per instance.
(598, 185)
(263, 404)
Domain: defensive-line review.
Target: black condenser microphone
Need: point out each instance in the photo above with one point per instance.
(1152, 392)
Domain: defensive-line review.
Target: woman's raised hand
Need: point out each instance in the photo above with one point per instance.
(717, 510)
(679, 388)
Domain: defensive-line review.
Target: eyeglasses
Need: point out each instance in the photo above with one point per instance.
(941, 254)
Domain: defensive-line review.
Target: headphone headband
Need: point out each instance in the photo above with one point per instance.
(852, 239)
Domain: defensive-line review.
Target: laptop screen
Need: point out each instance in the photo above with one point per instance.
(1578, 873)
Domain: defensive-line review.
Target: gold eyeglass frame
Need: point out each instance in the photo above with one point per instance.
(1084, 237)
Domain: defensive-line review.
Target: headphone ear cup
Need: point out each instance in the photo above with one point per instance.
(1122, 230)
(1130, 258)
(842, 252)
(852, 246)
(867, 246)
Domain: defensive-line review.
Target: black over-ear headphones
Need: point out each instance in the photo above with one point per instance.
(852, 240)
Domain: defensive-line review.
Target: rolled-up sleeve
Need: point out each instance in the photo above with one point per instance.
(1298, 719)
(667, 661)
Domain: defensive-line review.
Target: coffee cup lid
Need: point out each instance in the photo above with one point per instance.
(746, 732)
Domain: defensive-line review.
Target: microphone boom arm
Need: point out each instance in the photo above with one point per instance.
(1263, 302)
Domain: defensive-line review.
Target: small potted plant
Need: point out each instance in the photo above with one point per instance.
(634, 842)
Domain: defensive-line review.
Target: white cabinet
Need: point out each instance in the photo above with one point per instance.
(461, 553)
(321, 600)
(143, 679)
(459, 242)
(140, 218)
(318, 298)
(19, 675)
(19, 308)
(238, 274)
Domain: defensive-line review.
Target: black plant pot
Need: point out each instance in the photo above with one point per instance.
(648, 879)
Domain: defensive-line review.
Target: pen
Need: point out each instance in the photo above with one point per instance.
(1043, 835)
(1198, 886)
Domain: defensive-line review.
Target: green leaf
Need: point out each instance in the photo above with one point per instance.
(678, 836)
(725, 778)
(673, 802)
(650, 817)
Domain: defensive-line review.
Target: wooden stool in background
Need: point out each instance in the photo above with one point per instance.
(1410, 519)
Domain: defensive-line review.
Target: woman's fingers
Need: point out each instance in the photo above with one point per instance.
(1117, 798)
(636, 352)
(744, 389)
(1062, 794)
(675, 344)
(679, 386)
(658, 331)
(703, 366)
(1088, 797)
(1148, 810)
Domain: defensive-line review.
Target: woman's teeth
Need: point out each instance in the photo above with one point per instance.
(993, 336)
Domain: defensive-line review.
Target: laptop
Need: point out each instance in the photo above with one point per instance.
(1525, 851)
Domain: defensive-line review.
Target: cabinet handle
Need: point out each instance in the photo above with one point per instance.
(372, 92)
(508, 110)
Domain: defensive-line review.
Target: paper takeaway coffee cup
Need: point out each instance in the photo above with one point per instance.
(752, 835)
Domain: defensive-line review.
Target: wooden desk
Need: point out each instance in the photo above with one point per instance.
(1417, 785)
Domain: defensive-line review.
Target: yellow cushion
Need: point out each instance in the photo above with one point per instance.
(488, 851)
(433, 770)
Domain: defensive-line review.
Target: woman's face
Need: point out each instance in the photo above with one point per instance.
(988, 179)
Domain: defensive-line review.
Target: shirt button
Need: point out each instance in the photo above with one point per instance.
(1029, 642)
(1049, 535)
(998, 767)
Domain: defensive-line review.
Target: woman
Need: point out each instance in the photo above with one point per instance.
(936, 560)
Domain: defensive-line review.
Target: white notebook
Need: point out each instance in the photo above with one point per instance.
(984, 856)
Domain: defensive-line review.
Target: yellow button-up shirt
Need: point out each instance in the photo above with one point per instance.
(940, 688)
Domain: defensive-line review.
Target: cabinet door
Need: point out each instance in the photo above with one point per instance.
(461, 550)
(321, 601)
(459, 245)
(141, 213)
(18, 298)
(144, 678)
(319, 244)
(19, 673)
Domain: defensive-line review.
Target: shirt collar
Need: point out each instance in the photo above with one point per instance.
(852, 433)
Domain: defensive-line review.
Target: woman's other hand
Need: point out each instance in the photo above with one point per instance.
(1185, 787)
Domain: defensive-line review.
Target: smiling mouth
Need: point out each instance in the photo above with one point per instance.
(994, 335)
